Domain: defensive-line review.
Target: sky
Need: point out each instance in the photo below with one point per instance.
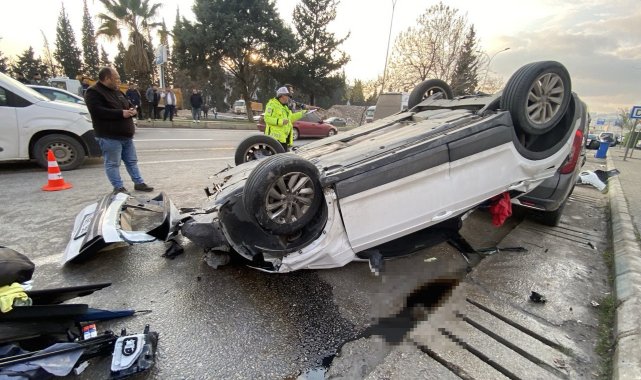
(599, 41)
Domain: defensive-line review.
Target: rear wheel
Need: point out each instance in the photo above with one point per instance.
(428, 88)
(296, 133)
(537, 96)
(283, 193)
(68, 151)
(256, 147)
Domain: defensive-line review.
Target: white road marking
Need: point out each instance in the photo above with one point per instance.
(188, 160)
(145, 140)
(184, 149)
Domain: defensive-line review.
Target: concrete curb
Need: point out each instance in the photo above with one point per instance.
(627, 284)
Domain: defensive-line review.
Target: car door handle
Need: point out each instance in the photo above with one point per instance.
(442, 215)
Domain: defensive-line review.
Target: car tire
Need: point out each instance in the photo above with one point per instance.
(296, 133)
(537, 96)
(426, 89)
(284, 176)
(331, 132)
(68, 151)
(256, 147)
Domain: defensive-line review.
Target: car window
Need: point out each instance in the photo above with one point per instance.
(9, 99)
(3, 97)
(311, 117)
(64, 97)
(46, 92)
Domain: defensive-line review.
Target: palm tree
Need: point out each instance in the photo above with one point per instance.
(136, 17)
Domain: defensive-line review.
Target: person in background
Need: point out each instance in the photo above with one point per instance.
(215, 113)
(293, 104)
(37, 80)
(134, 97)
(21, 78)
(153, 98)
(279, 118)
(170, 103)
(84, 86)
(205, 110)
(196, 101)
(112, 118)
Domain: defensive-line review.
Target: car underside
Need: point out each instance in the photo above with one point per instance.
(338, 199)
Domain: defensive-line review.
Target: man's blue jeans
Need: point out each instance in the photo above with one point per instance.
(195, 113)
(113, 150)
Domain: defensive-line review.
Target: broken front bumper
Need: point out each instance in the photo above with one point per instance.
(111, 220)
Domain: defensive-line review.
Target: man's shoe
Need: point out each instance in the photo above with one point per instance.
(143, 187)
(120, 190)
(197, 121)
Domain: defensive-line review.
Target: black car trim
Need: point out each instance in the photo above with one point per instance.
(93, 149)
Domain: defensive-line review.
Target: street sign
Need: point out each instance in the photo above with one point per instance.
(161, 55)
(635, 113)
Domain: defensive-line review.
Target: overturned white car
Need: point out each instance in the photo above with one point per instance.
(337, 199)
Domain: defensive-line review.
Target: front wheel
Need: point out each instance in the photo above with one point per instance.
(256, 147)
(428, 88)
(331, 133)
(68, 152)
(283, 193)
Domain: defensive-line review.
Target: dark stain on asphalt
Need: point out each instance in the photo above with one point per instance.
(419, 304)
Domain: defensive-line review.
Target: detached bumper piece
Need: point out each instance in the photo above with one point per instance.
(112, 220)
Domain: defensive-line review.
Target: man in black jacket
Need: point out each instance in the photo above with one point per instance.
(111, 115)
(196, 103)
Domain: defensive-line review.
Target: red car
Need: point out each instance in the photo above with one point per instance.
(310, 125)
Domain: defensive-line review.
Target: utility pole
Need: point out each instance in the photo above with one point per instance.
(389, 36)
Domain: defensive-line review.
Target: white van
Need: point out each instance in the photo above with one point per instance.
(31, 124)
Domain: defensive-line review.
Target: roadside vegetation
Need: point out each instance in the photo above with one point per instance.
(607, 312)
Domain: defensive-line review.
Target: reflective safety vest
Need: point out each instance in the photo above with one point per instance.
(275, 113)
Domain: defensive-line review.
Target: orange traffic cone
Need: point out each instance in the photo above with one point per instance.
(55, 177)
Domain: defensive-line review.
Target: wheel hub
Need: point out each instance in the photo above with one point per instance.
(289, 198)
(545, 98)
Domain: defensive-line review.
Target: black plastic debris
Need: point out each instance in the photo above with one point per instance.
(173, 250)
(537, 297)
(605, 175)
(134, 354)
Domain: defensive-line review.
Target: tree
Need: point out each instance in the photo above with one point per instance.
(247, 37)
(465, 77)
(356, 97)
(29, 65)
(48, 57)
(104, 58)
(136, 17)
(431, 49)
(4, 64)
(119, 62)
(318, 57)
(89, 46)
(67, 52)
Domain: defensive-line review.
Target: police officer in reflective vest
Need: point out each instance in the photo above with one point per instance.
(279, 119)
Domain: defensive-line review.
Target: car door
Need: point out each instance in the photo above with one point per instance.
(9, 139)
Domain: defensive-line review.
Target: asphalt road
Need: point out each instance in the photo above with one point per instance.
(233, 322)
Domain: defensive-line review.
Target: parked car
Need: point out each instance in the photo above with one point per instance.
(58, 94)
(356, 195)
(336, 121)
(547, 201)
(592, 141)
(32, 124)
(608, 137)
(369, 114)
(310, 125)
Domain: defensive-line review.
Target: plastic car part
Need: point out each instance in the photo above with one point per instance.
(537, 96)
(257, 147)
(134, 354)
(283, 193)
(428, 88)
(591, 178)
